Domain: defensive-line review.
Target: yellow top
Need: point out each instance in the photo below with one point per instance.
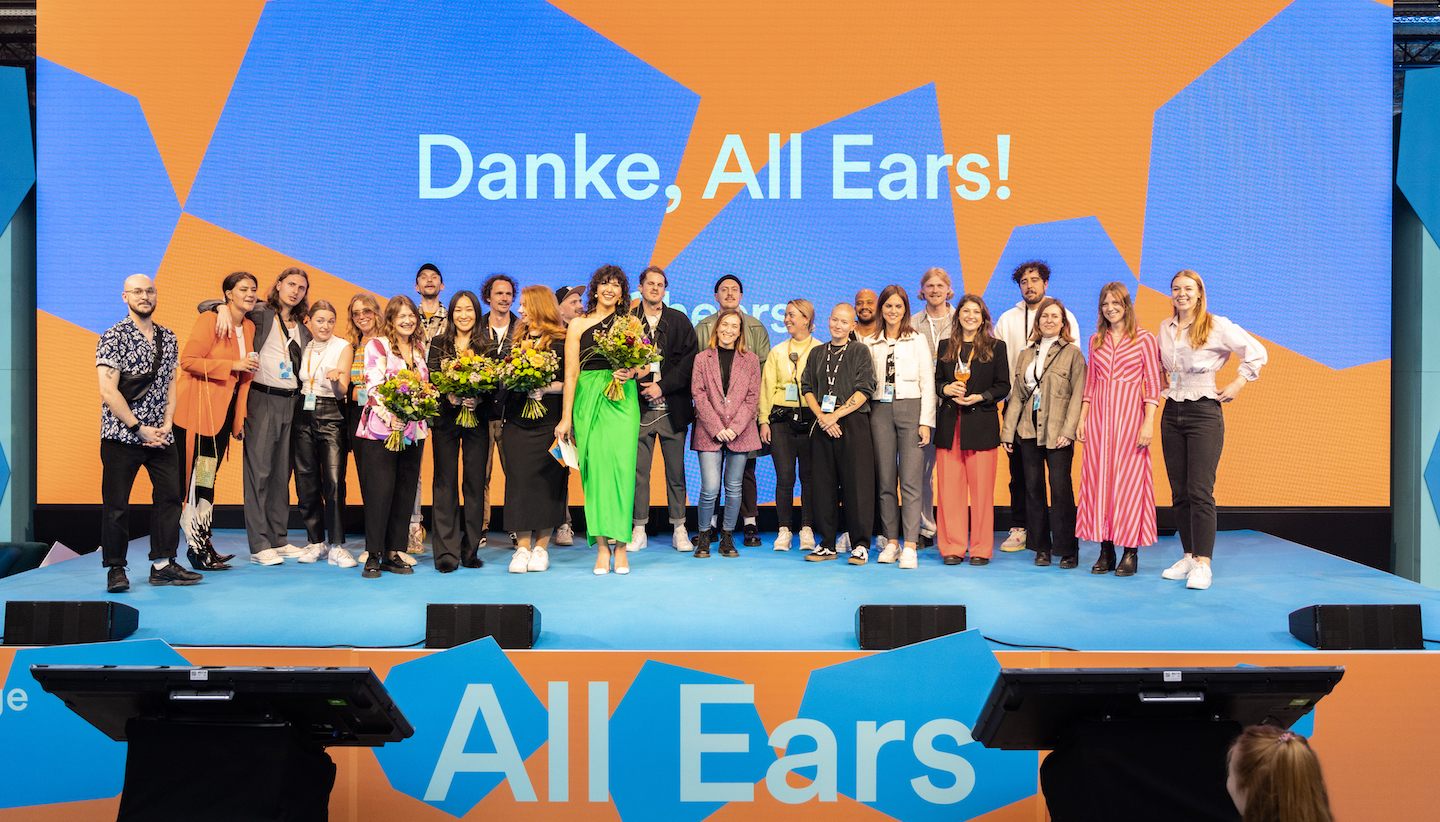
(779, 372)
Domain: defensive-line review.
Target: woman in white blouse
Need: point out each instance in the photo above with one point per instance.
(318, 439)
(901, 416)
(1194, 344)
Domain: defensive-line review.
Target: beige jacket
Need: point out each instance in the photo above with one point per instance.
(1061, 389)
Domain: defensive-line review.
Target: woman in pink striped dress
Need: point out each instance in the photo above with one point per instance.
(1117, 422)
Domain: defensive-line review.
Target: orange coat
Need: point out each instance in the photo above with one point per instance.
(207, 380)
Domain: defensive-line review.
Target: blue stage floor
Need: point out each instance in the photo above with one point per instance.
(762, 600)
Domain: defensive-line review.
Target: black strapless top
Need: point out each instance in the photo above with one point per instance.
(590, 357)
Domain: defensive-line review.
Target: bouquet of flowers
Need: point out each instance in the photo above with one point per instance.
(625, 345)
(528, 369)
(410, 399)
(465, 376)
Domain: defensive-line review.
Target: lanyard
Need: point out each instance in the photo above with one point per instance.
(829, 374)
(309, 372)
(795, 362)
(1057, 345)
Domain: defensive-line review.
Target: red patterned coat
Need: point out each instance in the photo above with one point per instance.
(717, 409)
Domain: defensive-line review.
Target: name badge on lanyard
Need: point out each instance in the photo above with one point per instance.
(792, 393)
(361, 394)
(286, 372)
(310, 402)
(1035, 401)
(827, 404)
(1174, 380)
(887, 392)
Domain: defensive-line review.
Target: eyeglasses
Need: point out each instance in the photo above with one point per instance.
(364, 312)
(141, 292)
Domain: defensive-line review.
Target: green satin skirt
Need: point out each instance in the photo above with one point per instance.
(607, 434)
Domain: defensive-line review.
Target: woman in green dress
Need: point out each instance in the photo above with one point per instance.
(604, 431)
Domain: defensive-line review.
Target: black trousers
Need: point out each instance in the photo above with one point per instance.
(789, 444)
(204, 447)
(1018, 510)
(388, 484)
(842, 470)
(749, 493)
(457, 448)
(1051, 528)
(1192, 435)
(318, 446)
(120, 463)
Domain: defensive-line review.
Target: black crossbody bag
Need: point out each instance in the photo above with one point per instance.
(133, 386)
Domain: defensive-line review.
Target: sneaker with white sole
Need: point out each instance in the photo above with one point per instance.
(637, 539)
(842, 543)
(269, 556)
(288, 551)
(416, 543)
(782, 539)
(520, 563)
(1181, 569)
(1014, 542)
(859, 555)
(807, 538)
(907, 557)
(1199, 578)
(821, 553)
(407, 559)
(681, 540)
(340, 555)
(891, 552)
(539, 560)
(564, 535)
(314, 551)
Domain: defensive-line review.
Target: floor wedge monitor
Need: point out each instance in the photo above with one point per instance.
(68, 623)
(1358, 627)
(882, 627)
(512, 626)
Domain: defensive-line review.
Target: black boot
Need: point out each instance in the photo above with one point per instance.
(727, 544)
(702, 544)
(1129, 563)
(1106, 563)
(372, 566)
(1042, 558)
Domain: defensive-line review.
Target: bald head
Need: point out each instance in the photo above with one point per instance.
(139, 295)
(865, 304)
(842, 322)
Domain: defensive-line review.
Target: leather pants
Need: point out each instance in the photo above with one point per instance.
(319, 449)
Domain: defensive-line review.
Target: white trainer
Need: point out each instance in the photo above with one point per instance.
(314, 551)
(782, 539)
(269, 556)
(890, 554)
(637, 539)
(539, 560)
(564, 535)
(1199, 578)
(907, 557)
(842, 543)
(407, 559)
(288, 551)
(340, 555)
(520, 562)
(681, 540)
(1014, 542)
(807, 539)
(1181, 569)
(859, 555)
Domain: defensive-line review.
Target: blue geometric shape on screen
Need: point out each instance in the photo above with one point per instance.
(880, 689)
(645, 746)
(327, 139)
(1269, 173)
(819, 247)
(1432, 472)
(431, 692)
(4, 473)
(105, 203)
(35, 741)
(1417, 167)
(17, 149)
(1081, 257)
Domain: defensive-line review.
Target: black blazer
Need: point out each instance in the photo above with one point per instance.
(483, 327)
(979, 424)
(678, 346)
(443, 348)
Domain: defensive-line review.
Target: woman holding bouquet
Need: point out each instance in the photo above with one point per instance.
(535, 482)
(452, 435)
(390, 477)
(605, 430)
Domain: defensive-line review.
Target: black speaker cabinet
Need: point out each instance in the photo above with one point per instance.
(512, 626)
(1367, 627)
(882, 627)
(68, 623)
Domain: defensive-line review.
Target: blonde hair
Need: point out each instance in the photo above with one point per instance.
(1201, 322)
(368, 300)
(933, 273)
(1121, 293)
(806, 309)
(1279, 776)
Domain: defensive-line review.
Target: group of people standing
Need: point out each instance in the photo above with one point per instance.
(864, 422)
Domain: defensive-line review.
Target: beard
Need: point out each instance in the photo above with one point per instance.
(143, 314)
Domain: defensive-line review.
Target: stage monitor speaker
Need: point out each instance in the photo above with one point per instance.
(68, 623)
(512, 626)
(1358, 627)
(882, 627)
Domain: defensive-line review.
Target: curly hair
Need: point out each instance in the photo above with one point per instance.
(607, 274)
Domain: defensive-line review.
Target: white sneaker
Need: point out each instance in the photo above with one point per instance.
(539, 560)
(405, 557)
(859, 555)
(313, 552)
(682, 541)
(269, 556)
(892, 550)
(637, 539)
(907, 557)
(340, 555)
(842, 542)
(520, 563)
(1199, 578)
(564, 535)
(1181, 569)
(807, 539)
(1014, 542)
(782, 539)
(288, 551)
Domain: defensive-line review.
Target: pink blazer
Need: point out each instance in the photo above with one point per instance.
(716, 410)
(381, 365)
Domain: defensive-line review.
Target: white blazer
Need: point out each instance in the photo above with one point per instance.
(914, 371)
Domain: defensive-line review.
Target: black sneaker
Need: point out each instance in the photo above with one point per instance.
(116, 581)
(821, 554)
(372, 567)
(752, 536)
(702, 544)
(954, 560)
(727, 543)
(172, 574)
(395, 566)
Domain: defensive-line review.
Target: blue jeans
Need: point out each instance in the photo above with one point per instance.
(710, 466)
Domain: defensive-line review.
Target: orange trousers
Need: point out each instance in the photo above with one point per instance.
(965, 502)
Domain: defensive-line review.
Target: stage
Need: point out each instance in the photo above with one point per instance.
(761, 600)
